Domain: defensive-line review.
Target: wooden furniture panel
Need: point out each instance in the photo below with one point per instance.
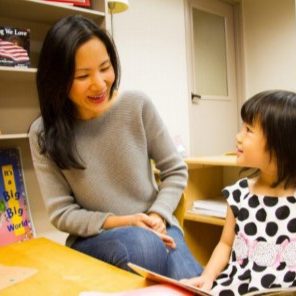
(63, 271)
(207, 177)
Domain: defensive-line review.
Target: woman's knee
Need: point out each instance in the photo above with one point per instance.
(145, 248)
(127, 244)
(145, 243)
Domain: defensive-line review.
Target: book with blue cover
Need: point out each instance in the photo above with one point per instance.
(15, 218)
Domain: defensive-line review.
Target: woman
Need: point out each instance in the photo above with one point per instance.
(91, 149)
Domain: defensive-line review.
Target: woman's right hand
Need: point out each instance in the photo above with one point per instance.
(145, 221)
(139, 220)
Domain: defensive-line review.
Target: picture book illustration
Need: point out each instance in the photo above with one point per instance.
(14, 47)
(15, 219)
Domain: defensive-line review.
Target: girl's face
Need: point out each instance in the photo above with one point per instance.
(251, 148)
(93, 79)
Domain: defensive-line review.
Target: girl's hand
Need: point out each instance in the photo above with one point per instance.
(159, 224)
(202, 282)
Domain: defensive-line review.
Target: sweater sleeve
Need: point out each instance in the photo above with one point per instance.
(173, 169)
(64, 213)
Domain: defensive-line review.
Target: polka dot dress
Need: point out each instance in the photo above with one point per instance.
(264, 250)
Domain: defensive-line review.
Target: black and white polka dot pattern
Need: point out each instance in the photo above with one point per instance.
(263, 219)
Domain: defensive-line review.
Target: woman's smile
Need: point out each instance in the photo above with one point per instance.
(97, 99)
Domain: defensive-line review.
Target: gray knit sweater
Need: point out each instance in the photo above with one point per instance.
(115, 149)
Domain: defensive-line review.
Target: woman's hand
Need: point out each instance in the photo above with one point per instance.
(167, 240)
(156, 224)
(159, 224)
(202, 282)
(153, 223)
(141, 220)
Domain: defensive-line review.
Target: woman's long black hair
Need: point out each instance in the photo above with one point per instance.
(275, 111)
(54, 79)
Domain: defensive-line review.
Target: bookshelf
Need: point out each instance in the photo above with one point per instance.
(18, 96)
(207, 177)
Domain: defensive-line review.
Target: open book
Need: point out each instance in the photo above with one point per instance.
(153, 276)
(150, 275)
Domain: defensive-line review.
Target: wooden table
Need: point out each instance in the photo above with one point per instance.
(63, 271)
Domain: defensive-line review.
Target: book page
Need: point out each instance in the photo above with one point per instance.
(10, 275)
(153, 276)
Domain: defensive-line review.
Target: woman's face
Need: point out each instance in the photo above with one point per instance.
(93, 78)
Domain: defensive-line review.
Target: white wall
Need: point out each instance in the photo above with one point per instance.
(150, 37)
(270, 44)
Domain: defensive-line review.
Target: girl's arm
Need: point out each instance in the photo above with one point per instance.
(219, 257)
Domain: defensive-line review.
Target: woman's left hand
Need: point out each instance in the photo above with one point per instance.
(159, 228)
(159, 224)
(167, 240)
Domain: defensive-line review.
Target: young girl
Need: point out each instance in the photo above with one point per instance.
(259, 236)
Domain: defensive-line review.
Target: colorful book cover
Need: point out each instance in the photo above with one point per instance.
(15, 219)
(14, 47)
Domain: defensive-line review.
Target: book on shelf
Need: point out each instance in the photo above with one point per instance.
(210, 207)
(14, 47)
(82, 3)
(15, 217)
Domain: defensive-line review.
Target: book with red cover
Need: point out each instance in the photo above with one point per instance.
(83, 3)
(155, 290)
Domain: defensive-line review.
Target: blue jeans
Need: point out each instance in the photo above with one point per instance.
(121, 245)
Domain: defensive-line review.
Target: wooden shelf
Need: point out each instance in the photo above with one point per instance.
(13, 136)
(190, 216)
(17, 74)
(44, 12)
(221, 160)
(19, 104)
(207, 176)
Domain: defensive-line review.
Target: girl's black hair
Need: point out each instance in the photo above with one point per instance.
(54, 79)
(275, 111)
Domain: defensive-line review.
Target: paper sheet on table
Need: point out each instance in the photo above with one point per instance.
(10, 275)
